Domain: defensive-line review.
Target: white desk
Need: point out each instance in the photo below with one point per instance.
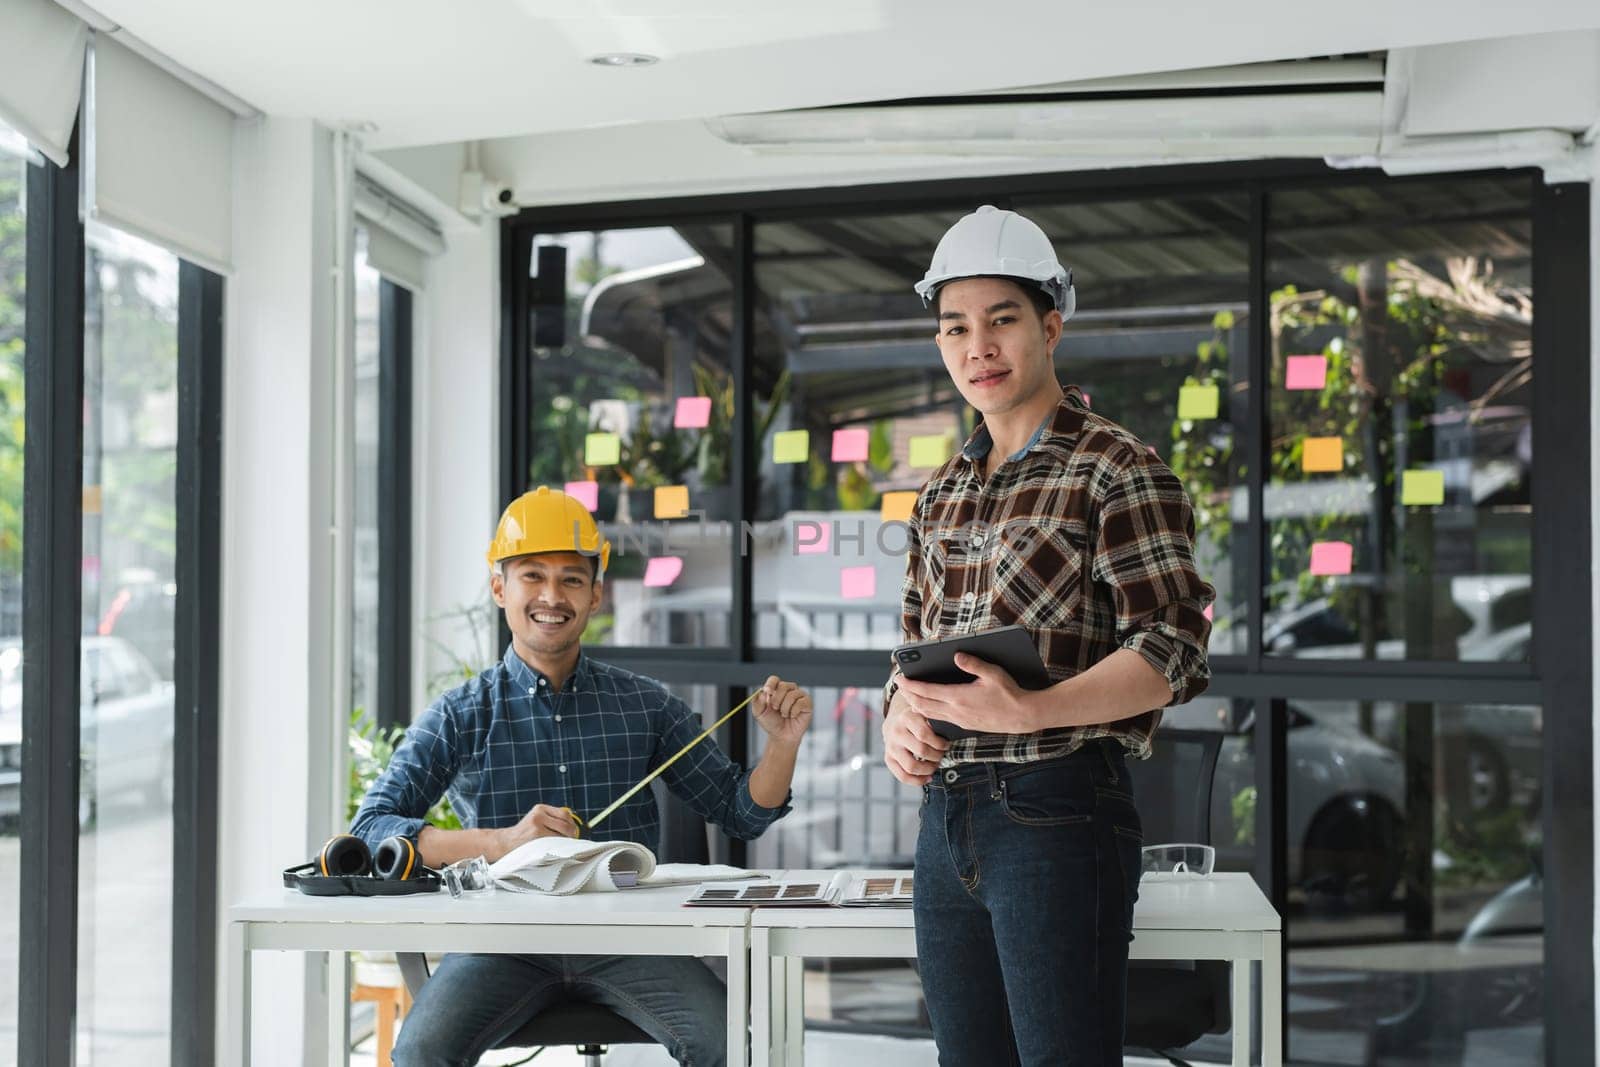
(1223, 917)
(643, 922)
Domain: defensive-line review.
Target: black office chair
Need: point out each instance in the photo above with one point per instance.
(591, 1027)
(1173, 1003)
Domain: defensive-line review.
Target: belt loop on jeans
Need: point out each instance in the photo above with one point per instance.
(994, 780)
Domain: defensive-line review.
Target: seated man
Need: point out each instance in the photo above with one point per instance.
(549, 731)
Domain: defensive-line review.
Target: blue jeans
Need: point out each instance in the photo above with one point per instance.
(472, 1002)
(1026, 880)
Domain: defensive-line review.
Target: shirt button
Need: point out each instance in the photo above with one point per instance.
(532, 690)
(977, 540)
(562, 768)
(541, 681)
(968, 597)
(950, 776)
(558, 718)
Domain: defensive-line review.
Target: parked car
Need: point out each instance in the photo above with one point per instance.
(126, 716)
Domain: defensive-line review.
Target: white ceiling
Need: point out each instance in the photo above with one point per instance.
(434, 72)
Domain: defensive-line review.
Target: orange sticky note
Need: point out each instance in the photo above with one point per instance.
(1331, 558)
(672, 501)
(1322, 454)
(897, 507)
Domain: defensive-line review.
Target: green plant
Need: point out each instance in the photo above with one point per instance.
(371, 749)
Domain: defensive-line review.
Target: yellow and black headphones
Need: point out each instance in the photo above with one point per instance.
(344, 867)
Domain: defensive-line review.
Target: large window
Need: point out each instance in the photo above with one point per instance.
(1339, 369)
(13, 180)
(127, 662)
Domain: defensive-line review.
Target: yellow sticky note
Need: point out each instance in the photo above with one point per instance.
(897, 506)
(601, 449)
(930, 450)
(1198, 402)
(791, 446)
(1322, 454)
(1422, 488)
(672, 501)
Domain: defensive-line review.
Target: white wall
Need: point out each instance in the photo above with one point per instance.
(276, 502)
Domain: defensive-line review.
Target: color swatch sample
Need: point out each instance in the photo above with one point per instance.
(897, 506)
(1330, 558)
(672, 501)
(694, 412)
(602, 449)
(812, 538)
(858, 583)
(1322, 455)
(585, 493)
(930, 450)
(662, 571)
(1421, 488)
(791, 446)
(1198, 402)
(1306, 372)
(850, 446)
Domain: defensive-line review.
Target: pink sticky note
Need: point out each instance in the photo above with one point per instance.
(858, 583)
(805, 530)
(1306, 372)
(1208, 613)
(1086, 401)
(694, 413)
(585, 493)
(849, 446)
(662, 571)
(1331, 557)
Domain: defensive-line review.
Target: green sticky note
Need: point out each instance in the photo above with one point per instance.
(602, 449)
(1198, 402)
(1422, 488)
(930, 450)
(791, 446)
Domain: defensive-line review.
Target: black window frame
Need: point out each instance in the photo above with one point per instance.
(1558, 676)
(395, 624)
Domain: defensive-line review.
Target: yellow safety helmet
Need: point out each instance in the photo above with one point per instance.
(547, 520)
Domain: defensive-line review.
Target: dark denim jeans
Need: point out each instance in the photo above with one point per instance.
(1026, 880)
(473, 1001)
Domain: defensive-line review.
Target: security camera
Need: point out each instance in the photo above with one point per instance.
(481, 195)
(497, 199)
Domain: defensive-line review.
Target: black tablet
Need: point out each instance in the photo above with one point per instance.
(1010, 647)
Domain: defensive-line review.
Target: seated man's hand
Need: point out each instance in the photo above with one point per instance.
(911, 750)
(542, 821)
(783, 709)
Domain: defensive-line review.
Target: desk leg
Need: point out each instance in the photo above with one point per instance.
(794, 1011)
(238, 996)
(1271, 1000)
(761, 997)
(1243, 1002)
(338, 1009)
(739, 998)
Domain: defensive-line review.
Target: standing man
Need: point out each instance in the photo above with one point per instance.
(1056, 519)
(545, 732)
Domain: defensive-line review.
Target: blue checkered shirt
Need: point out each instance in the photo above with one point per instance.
(503, 742)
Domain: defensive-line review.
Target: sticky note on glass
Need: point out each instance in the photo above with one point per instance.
(1321, 454)
(672, 501)
(1331, 557)
(585, 493)
(1210, 617)
(858, 583)
(791, 446)
(602, 449)
(811, 538)
(694, 412)
(897, 506)
(1422, 488)
(662, 571)
(1306, 372)
(930, 450)
(1198, 402)
(850, 446)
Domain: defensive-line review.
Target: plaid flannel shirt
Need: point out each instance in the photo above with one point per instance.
(1084, 538)
(503, 742)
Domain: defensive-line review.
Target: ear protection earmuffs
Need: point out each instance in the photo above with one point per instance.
(344, 867)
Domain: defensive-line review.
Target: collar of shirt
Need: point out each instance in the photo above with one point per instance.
(526, 678)
(1065, 421)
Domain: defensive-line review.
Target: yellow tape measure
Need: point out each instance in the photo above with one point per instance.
(623, 799)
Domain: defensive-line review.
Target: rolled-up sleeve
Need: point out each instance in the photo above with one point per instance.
(910, 597)
(417, 776)
(708, 781)
(1144, 553)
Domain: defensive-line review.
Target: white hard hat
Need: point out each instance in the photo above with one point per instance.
(994, 242)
